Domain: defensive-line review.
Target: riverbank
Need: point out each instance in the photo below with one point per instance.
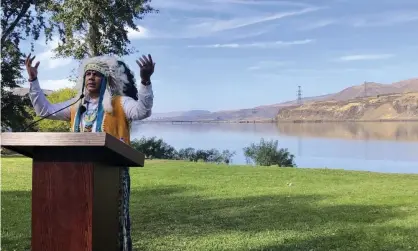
(297, 121)
(179, 205)
(271, 121)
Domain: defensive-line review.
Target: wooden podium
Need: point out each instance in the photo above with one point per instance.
(75, 187)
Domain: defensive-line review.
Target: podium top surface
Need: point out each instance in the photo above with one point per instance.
(102, 147)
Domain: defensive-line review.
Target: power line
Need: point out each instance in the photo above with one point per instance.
(299, 95)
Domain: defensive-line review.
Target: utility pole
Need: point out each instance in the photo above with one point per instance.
(299, 95)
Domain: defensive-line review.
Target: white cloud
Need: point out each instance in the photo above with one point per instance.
(385, 19)
(260, 45)
(220, 6)
(222, 18)
(222, 25)
(249, 34)
(141, 33)
(47, 57)
(318, 24)
(56, 84)
(366, 57)
(269, 65)
(371, 20)
(262, 2)
(184, 5)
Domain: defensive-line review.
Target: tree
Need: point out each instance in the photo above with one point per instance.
(227, 156)
(48, 125)
(211, 155)
(154, 148)
(18, 22)
(85, 28)
(187, 153)
(268, 153)
(93, 28)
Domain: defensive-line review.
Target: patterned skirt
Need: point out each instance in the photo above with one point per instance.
(125, 241)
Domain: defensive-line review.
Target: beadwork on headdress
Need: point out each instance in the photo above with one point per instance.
(96, 67)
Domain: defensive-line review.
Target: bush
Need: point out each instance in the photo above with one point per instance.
(187, 154)
(212, 155)
(154, 148)
(263, 154)
(227, 156)
(268, 153)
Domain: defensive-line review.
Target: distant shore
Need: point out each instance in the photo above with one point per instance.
(274, 121)
(346, 121)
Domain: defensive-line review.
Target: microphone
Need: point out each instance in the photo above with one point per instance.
(36, 121)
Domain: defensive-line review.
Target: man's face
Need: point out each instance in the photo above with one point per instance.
(93, 80)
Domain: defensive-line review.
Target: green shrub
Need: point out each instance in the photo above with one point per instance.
(186, 154)
(211, 155)
(154, 148)
(267, 153)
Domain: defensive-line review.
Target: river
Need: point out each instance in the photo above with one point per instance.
(390, 147)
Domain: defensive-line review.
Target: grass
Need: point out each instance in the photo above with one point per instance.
(196, 206)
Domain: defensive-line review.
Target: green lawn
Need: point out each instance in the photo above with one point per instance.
(189, 206)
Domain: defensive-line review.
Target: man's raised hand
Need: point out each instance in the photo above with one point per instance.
(32, 71)
(147, 67)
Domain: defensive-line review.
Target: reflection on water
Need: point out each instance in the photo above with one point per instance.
(377, 131)
(384, 147)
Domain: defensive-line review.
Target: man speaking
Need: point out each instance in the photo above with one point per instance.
(108, 101)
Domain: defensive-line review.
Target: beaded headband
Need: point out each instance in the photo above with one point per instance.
(96, 67)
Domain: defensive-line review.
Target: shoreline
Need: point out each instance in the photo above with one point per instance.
(295, 121)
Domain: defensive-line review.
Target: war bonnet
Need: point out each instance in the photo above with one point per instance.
(118, 79)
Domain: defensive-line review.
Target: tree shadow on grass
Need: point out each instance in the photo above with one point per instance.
(168, 211)
(177, 210)
(368, 238)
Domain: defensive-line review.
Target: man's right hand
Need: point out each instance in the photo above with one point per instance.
(32, 71)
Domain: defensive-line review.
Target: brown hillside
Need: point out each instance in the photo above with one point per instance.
(357, 91)
(270, 111)
(385, 107)
(374, 89)
(410, 85)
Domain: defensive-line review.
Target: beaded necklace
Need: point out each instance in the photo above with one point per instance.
(89, 117)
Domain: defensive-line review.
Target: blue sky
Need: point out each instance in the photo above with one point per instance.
(230, 54)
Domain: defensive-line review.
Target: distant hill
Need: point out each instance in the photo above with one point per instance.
(265, 112)
(183, 114)
(400, 106)
(374, 89)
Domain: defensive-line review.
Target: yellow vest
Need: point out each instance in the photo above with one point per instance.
(115, 124)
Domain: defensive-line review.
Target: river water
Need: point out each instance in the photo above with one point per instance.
(378, 147)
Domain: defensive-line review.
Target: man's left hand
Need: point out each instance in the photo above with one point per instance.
(147, 67)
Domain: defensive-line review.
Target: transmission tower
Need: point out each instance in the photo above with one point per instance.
(365, 88)
(299, 95)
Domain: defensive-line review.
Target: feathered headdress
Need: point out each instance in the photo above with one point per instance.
(118, 79)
